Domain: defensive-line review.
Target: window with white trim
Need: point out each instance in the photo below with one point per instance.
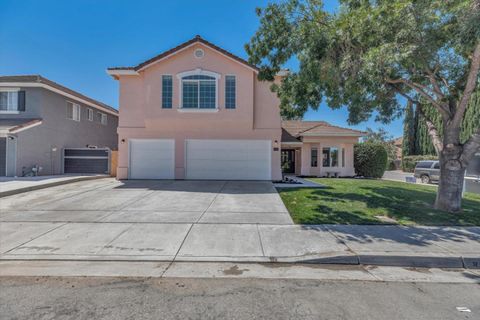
(330, 157)
(12, 100)
(73, 111)
(103, 119)
(90, 114)
(199, 92)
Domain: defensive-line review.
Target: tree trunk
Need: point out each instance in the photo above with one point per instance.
(452, 172)
(449, 194)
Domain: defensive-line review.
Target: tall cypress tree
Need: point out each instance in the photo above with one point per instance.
(408, 144)
(415, 127)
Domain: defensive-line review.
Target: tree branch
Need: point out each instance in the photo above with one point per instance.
(470, 148)
(433, 81)
(469, 87)
(432, 131)
(421, 90)
(406, 96)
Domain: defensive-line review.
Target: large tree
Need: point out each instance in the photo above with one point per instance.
(372, 54)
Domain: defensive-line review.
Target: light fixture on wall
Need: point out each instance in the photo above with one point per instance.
(122, 141)
(275, 145)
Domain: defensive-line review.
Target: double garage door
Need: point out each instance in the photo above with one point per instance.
(204, 159)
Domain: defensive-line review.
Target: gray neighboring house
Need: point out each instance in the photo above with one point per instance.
(40, 118)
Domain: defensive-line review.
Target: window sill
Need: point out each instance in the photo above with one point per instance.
(9, 112)
(192, 110)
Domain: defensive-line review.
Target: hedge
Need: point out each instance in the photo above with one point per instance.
(370, 159)
(409, 162)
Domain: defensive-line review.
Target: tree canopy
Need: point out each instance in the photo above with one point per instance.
(367, 54)
(371, 54)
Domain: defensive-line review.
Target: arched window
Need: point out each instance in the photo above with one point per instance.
(199, 89)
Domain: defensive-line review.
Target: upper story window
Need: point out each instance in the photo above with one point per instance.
(12, 100)
(90, 114)
(199, 89)
(230, 92)
(167, 91)
(73, 111)
(102, 117)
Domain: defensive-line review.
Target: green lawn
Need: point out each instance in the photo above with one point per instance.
(358, 201)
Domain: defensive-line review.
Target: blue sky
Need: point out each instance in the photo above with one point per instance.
(73, 42)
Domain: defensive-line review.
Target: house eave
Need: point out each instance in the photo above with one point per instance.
(56, 90)
(332, 134)
(121, 72)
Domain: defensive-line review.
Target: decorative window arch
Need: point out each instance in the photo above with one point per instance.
(198, 89)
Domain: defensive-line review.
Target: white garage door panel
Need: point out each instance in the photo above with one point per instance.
(152, 159)
(228, 159)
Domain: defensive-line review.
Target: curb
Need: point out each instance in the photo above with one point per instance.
(371, 260)
(451, 262)
(48, 185)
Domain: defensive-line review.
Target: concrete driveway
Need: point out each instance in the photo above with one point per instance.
(108, 200)
(140, 220)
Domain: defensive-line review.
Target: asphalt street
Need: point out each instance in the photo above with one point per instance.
(188, 298)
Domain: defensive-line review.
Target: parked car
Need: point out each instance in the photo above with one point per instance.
(427, 171)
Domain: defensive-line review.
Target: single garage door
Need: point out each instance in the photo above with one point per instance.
(228, 159)
(152, 159)
(86, 160)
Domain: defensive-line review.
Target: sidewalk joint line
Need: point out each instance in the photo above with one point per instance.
(114, 238)
(178, 251)
(213, 200)
(35, 238)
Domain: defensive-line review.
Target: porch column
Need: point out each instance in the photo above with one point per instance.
(305, 158)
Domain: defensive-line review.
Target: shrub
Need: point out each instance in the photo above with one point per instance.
(391, 165)
(370, 159)
(409, 162)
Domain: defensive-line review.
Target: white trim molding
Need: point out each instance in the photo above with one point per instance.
(197, 110)
(122, 72)
(199, 72)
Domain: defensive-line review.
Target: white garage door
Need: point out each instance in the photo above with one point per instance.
(228, 159)
(152, 159)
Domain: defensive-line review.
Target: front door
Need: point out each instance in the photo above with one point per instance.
(288, 161)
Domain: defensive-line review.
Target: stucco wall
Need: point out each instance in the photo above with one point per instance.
(256, 115)
(345, 143)
(34, 146)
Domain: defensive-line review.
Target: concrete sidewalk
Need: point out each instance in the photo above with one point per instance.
(15, 185)
(442, 247)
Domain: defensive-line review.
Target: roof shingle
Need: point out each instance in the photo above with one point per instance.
(298, 128)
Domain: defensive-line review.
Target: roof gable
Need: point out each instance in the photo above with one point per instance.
(166, 54)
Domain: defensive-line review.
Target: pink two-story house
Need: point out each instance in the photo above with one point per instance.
(199, 112)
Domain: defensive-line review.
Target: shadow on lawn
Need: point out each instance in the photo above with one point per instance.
(414, 236)
(411, 206)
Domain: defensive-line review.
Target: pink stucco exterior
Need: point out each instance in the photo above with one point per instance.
(256, 115)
